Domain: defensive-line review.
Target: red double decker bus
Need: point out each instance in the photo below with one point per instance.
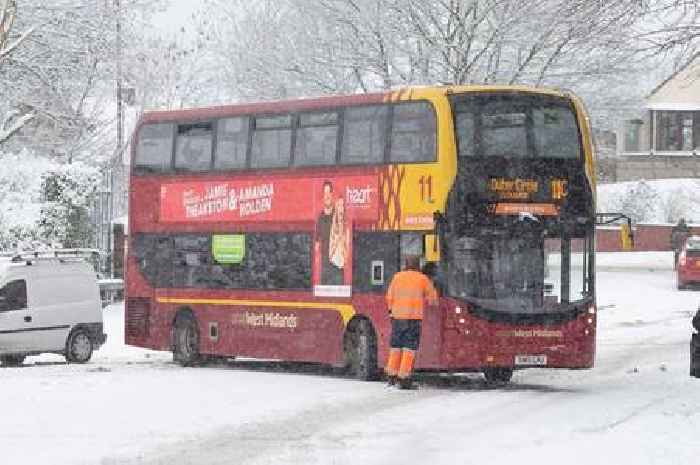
(272, 230)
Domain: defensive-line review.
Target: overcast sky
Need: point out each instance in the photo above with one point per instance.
(176, 16)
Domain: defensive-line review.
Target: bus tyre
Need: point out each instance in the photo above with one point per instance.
(79, 347)
(12, 360)
(495, 376)
(186, 341)
(361, 351)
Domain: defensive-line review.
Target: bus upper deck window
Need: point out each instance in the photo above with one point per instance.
(364, 135)
(193, 147)
(413, 132)
(464, 124)
(272, 142)
(231, 143)
(556, 132)
(316, 139)
(155, 147)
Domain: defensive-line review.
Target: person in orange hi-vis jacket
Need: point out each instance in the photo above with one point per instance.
(409, 293)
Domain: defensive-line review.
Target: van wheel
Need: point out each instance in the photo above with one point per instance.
(78, 347)
(360, 347)
(495, 376)
(12, 360)
(186, 341)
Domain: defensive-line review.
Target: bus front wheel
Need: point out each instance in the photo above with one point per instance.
(186, 341)
(498, 375)
(360, 349)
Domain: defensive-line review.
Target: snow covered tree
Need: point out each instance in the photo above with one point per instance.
(20, 184)
(58, 85)
(11, 119)
(67, 192)
(286, 47)
(640, 202)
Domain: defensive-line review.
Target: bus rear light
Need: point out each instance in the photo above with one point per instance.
(591, 309)
(586, 332)
(590, 321)
(458, 310)
(461, 320)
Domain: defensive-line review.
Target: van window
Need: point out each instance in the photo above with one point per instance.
(13, 296)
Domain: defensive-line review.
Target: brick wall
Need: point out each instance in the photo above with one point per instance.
(647, 237)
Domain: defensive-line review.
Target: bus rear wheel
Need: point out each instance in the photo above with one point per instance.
(360, 347)
(498, 375)
(186, 341)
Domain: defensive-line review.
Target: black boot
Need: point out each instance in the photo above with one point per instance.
(406, 383)
(391, 380)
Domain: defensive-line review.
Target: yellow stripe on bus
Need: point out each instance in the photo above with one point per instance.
(346, 311)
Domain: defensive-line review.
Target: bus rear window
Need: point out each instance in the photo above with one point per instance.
(516, 126)
(155, 147)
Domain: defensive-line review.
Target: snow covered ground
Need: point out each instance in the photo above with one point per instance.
(132, 406)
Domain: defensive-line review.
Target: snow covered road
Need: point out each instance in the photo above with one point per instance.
(131, 406)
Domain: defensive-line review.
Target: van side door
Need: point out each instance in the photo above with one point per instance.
(52, 310)
(15, 319)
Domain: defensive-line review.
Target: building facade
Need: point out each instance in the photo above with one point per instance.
(664, 141)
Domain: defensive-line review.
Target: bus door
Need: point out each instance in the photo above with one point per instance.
(375, 262)
(413, 243)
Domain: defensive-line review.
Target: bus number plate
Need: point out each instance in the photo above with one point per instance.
(530, 359)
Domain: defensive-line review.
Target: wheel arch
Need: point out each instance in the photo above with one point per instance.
(354, 323)
(183, 312)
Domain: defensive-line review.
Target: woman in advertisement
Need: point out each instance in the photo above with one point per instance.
(339, 243)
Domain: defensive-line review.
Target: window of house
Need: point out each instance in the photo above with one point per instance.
(364, 135)
(632, 135)
(687, 131)
(231, 143)
(668, 131)
(316, 139)
(413, 133)
(193, 146)
(154, 149)
(272, 142)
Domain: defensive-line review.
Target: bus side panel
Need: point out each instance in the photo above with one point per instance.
(293, 334)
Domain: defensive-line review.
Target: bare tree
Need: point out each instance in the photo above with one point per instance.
(15, 118)
(285, 47)
(57, 75)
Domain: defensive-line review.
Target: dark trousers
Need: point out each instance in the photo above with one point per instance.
(405, 334)
(695, 355)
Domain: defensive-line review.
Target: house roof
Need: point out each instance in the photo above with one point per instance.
(680, 91)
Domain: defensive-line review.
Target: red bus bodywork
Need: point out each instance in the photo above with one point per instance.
(453, 339)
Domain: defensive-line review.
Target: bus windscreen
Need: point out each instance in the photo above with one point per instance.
(516, 126)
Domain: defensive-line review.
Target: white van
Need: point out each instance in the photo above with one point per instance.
(49, 305)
